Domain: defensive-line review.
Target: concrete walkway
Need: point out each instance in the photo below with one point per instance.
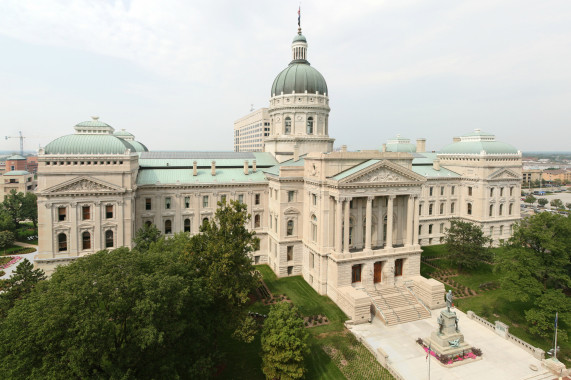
(29, 256)
(501, 359)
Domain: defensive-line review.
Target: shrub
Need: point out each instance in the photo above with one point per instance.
(476, 351)
(444, 359)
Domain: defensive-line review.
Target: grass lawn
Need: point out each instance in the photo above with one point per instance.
(15, 249)
(493, 304)
(347, 359)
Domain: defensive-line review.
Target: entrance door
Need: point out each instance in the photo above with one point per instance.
(378, 272)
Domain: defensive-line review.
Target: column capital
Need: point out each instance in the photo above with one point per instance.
(370, 198)
(345, 198)
(392, 196)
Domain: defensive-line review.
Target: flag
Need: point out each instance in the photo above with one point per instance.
(299, 17)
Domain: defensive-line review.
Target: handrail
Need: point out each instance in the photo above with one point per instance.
(419, 300)
(377, 307)
(410, 303)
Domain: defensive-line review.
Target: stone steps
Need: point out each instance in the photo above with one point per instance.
(546, 375)
(398, 305)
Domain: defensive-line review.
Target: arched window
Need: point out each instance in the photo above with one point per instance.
(108, 239)
(310, 125)
(204, 220)
(148, 223)
(491, 210)
(168, 227)
(287, 130)
(501, 210)
(510, 208)
(469, 208)
(62, 242)
(187, 225)
(86, 240)
(257, 221)
(314, 228)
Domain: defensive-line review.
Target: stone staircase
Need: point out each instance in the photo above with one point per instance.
(543, 375)
(398, 305)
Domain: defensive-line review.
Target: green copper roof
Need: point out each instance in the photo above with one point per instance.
(204, 159)
(16, 157)
(429, 172)
(299, 77)
(88, 144)
(123, 133)
(17, 172)
(476, 147)
(424, 158)
(299, 37)
(185, 176)
(354, 169)
(138, 146)
(275, 170)
(401, 147)
(92, 123)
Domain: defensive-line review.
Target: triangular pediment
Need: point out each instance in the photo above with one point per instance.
(504, 174)
(84, 185)
(383, 172)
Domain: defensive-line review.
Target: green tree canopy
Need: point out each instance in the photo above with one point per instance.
(145, 236)
(284, 343)
(530, 199)
(112, 315)
(535, 265)
(542, 202)
(12, 204)
(557, 203)
(7, 238)
(6, 222)
(466, 244)
(568, 205)
(19, 285)
(29, 208)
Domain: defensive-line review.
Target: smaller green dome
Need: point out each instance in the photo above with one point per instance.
(400, 144)
(299, 38)
(123, 133)
(478, 142)
(88, 144)
(139, 147)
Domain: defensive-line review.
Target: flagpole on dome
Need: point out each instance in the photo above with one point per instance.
(299, 19)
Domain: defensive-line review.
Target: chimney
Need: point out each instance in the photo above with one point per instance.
(213, 168)
(254, 166)
(296, 152)
(194, 169)
(384, 148)
(420, 145)
(246, 167)
(436, 164)
(343, 148)
(455, 139)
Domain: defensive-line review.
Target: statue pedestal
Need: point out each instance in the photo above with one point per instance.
(448, 340)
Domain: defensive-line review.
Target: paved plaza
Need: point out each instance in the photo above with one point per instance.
(501, 359)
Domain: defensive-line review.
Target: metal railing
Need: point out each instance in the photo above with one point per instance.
(419, 300)
(377, 306)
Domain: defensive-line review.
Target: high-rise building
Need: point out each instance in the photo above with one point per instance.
(250, 131)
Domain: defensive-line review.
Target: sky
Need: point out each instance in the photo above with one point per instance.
(178, 73)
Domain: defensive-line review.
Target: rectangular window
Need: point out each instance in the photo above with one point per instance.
(148, 204)
(430, 206)
(257, 199)
(452, 208)
(289, 252)
(452, 190)
(223, 198)
(430, 189)
(441, 228)
(470, 190)
(109, 212)
(168, 203)
(62, 214)
(441, 190)
(501, 191)
(314, 199)
(430, 229)
(241, 198)
(511, 191)
(492, 192)
(290, 195)
(186, 202)
(419, 209)
(289, 271)
(356, 273)
(86, 212)
(205, 201)
(398, 267)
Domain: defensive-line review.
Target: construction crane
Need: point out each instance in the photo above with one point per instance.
(21, 141)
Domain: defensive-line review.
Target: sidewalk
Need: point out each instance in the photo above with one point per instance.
(501, 359)
(29, 256)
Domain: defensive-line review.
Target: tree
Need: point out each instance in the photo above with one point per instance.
(7, 238)
(557, 203)
(535, 266)
(114, 315)
(530, 199)
(145, 236)
(12, 204)
(29, 208)
(568, 205)
(284, 343)
(542, 202)
(466, 244)
(19, 285)
(6, 222)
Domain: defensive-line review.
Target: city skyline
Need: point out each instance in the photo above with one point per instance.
(417, 69)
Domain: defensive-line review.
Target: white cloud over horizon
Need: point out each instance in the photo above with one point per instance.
(178, 73)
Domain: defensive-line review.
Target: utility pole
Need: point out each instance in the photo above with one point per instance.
(21, 141)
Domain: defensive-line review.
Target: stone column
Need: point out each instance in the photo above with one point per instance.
(416, 219)
(409, 220)
(346, 226)
(381, 223)
(368, 223)
(390, 221)
(120, 224)
(338, 224)
(73, 246)
(96, 239)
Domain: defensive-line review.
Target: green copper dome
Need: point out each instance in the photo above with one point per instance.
(478, 142)
(400, 144)
(299, 37)
(300, 77)
(139, 147)
(88, 144)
